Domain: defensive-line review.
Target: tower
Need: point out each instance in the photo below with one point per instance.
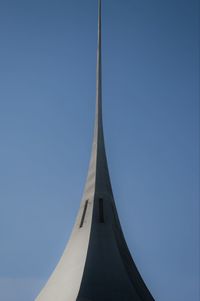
(96, 264)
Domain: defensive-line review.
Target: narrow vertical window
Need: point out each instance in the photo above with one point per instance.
(83, 215)
(101, 215)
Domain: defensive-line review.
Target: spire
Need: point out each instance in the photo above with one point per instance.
(96, 264)
(98, 122)
(99, 68)
(100, 183)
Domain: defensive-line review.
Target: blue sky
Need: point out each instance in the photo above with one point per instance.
(151, 123)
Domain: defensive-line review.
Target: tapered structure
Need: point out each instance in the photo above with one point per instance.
(96, 264)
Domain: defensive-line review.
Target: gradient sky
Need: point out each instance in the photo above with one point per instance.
(150, 105)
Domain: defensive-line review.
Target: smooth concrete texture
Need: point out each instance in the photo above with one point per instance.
(96, 264)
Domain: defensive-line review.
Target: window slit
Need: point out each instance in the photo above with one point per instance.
(83, 215)
(101, 214)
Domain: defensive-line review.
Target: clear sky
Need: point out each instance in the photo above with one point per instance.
(150, 106)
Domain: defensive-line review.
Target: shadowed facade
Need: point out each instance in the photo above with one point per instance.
(96, 264)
